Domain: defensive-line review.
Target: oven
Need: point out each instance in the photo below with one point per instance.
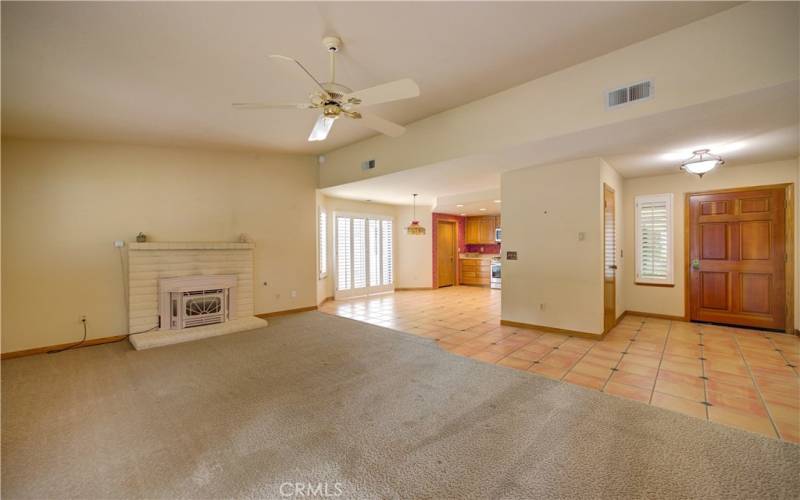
(494, 281)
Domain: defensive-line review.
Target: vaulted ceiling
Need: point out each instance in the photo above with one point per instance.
(167, 72)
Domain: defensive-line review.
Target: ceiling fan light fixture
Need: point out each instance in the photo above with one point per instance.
(702, 162)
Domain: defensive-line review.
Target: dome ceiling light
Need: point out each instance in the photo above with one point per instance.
(701, 162)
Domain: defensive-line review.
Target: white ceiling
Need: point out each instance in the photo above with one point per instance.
(166, 72)
(751, 128)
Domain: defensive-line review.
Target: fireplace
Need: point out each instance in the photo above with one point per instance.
(191, 301)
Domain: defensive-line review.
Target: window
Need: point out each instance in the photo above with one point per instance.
(323, 244)
(654, 239)
(363, 246)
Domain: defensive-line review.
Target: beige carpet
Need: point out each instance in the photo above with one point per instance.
(315, 399)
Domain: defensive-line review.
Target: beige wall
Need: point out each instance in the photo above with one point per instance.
(730, 48)
(412, 254)
(544, 210)
(64, 203)
(414, 260)
(670, 301)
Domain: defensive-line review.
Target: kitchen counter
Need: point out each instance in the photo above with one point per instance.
(484, 256)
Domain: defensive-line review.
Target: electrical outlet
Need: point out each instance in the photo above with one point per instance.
(294, 294)
(82, 318)
(265, 283)
(119, 243)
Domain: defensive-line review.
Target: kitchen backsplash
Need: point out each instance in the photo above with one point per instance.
(485, 248)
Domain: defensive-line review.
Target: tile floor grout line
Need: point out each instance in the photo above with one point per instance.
(758, 389)
(788, 363)
(623, 353)
(569, 370)
(703, 373)
(660, 360)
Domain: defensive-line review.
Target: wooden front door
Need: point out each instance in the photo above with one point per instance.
(737, 257)
(609, 260)
(446, 253)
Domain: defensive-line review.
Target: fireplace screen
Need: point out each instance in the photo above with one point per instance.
(200, 307)
(197, 306)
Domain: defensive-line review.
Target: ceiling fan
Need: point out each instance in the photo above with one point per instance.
(335, 100)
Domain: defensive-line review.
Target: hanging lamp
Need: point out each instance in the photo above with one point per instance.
(414, 228)
(701, 162)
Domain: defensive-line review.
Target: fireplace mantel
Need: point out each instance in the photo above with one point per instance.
(190, 245)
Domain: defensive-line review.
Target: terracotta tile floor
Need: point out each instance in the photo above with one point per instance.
(736, 377)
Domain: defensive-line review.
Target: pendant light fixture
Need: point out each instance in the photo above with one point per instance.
(701, 162)
(414, 228)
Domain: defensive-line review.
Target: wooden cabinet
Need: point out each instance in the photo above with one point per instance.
(480, 230)
(476, 271)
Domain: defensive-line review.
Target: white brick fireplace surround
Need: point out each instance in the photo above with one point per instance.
(156, 265)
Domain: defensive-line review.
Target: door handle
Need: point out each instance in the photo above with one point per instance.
(696, 264)
(612, 266)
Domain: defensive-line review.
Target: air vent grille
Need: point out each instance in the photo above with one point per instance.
(631, 93)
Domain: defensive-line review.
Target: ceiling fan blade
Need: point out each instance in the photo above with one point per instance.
(392, 91)
(321, 128)
(382, 125)
(266, 105)
(286, 58)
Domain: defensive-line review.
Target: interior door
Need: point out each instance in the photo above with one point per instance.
(364, 257)
(737, 257)
(446, 253)
(609, 260)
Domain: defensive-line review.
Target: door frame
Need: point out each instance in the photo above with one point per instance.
(607, 188)
(788, 243)
(455, 251)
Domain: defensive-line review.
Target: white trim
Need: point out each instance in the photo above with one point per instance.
(667, 199)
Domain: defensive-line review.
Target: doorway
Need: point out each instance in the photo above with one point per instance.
(609, 259)
(739, 257)
(446, 241)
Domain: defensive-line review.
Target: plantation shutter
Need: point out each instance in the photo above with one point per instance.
(359, 253)
(344, 257)
(374, 236)
(654, 239)
(363, 258)
(386, 240)
(323, 243)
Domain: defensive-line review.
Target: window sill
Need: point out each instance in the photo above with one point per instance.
(662, 285)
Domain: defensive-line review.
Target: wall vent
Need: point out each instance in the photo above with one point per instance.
(636, 92)
(368, 165)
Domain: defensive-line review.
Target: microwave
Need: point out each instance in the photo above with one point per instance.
(497, 234)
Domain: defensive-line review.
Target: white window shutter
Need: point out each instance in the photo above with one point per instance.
(374, 251)
(654, 254)
(386, 251)
(323, 243)
(359, 253)
(344, 275)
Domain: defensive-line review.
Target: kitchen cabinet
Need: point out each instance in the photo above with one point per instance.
(480, 230)
(475, 271)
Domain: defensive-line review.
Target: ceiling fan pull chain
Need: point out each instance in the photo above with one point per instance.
(333, 66)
